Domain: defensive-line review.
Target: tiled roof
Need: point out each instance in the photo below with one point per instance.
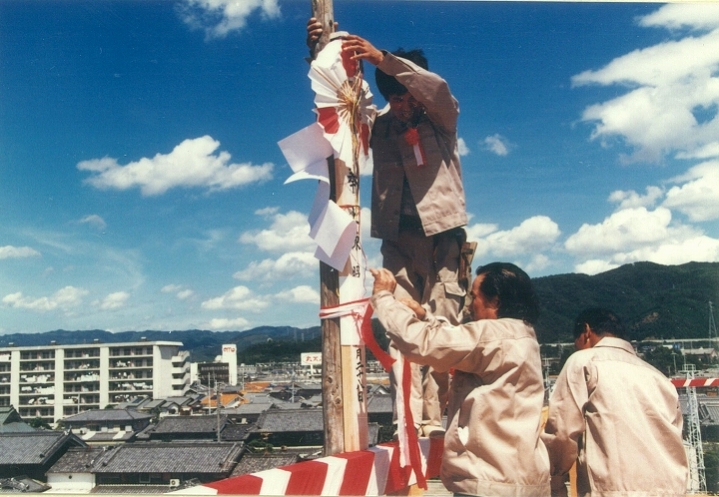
(171, 457)
(20, 427)
(235, 433)
(181, 401)
(188, 424)
(108, 436)
(379, 404)
(11, 422)
(8, 414)
(247, 409)
(22, 484)
(260, 398)
(153, 403)
(114, 415)
(78, 460)
(278, 421)
(33, 447)
(252, 463)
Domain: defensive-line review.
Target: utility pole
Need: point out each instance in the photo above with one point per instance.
(219, 397)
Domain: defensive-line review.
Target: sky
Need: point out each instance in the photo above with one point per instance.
(142, 187)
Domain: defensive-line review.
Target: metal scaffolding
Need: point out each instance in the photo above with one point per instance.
(698, 482)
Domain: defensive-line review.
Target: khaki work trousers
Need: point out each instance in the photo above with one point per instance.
(427, 271)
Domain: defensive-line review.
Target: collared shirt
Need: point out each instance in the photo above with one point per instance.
(620, 419)
(492, 445)
(435, 187)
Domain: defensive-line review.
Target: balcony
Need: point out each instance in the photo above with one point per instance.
(82, 378)
(81, 365)
(37, 378)
(137, 386)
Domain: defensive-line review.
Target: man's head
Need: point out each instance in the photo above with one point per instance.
(591, 325)
(502, 290)
(403, 105)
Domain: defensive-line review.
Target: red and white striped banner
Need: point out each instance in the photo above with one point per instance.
(695, 382)
(375, 471)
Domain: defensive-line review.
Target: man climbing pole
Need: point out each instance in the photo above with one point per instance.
(418, 201)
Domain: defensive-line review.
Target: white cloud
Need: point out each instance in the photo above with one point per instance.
(671, 105)
(113, 301)
(480, 230)
(637, 234)
(192, 163)
(180, 292)
(497, 144)
(267, 211)
(699, 15)
(698, 197)
(532, 236)
(462, 148)
(10, 252)
(288, 265)
(63, 299)
(708, 151)
(238, 298)
(537, 263)
(594, 266)
(224, 324)
(218, 18)
(185, 294)
(630, 198)
(302, 294)
(95, 221)
(622, 230)
(288, 232)
(672, 251)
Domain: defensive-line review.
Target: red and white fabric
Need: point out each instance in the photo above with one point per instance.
(695, 382)
(375, 471)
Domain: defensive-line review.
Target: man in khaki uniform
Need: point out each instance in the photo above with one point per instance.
(492, 446)
(615, 415)
(418, 201)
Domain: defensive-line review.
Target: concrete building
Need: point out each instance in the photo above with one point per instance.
(223, 370)
(55, 381)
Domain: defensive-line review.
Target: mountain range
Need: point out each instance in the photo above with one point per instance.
(653, 300)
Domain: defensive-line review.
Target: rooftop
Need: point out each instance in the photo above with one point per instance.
(33, 447)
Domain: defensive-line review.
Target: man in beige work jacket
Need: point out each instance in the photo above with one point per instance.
(418, 201)
(616, 416)
(492, 446)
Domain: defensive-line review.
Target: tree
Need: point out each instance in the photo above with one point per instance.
(711, 465)
(663, 359)
(39, 424)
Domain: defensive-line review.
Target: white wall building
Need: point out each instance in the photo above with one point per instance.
(55, 381)
(229, 356)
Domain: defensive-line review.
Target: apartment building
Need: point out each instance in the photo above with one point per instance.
(55, 381)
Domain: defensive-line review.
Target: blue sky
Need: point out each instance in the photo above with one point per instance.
(141, 185)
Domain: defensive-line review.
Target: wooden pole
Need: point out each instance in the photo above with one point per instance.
(322, 11)
(343, 354)
(332, 405)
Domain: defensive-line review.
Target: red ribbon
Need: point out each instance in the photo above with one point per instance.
(412, 441)
(369, 340)
(412, 138)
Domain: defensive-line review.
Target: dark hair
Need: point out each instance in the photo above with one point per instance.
(513, 290)
(388, 85)
(601, 322)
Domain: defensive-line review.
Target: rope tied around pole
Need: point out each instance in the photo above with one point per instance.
(361, 311)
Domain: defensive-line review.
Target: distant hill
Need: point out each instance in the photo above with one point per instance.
(654, 301)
